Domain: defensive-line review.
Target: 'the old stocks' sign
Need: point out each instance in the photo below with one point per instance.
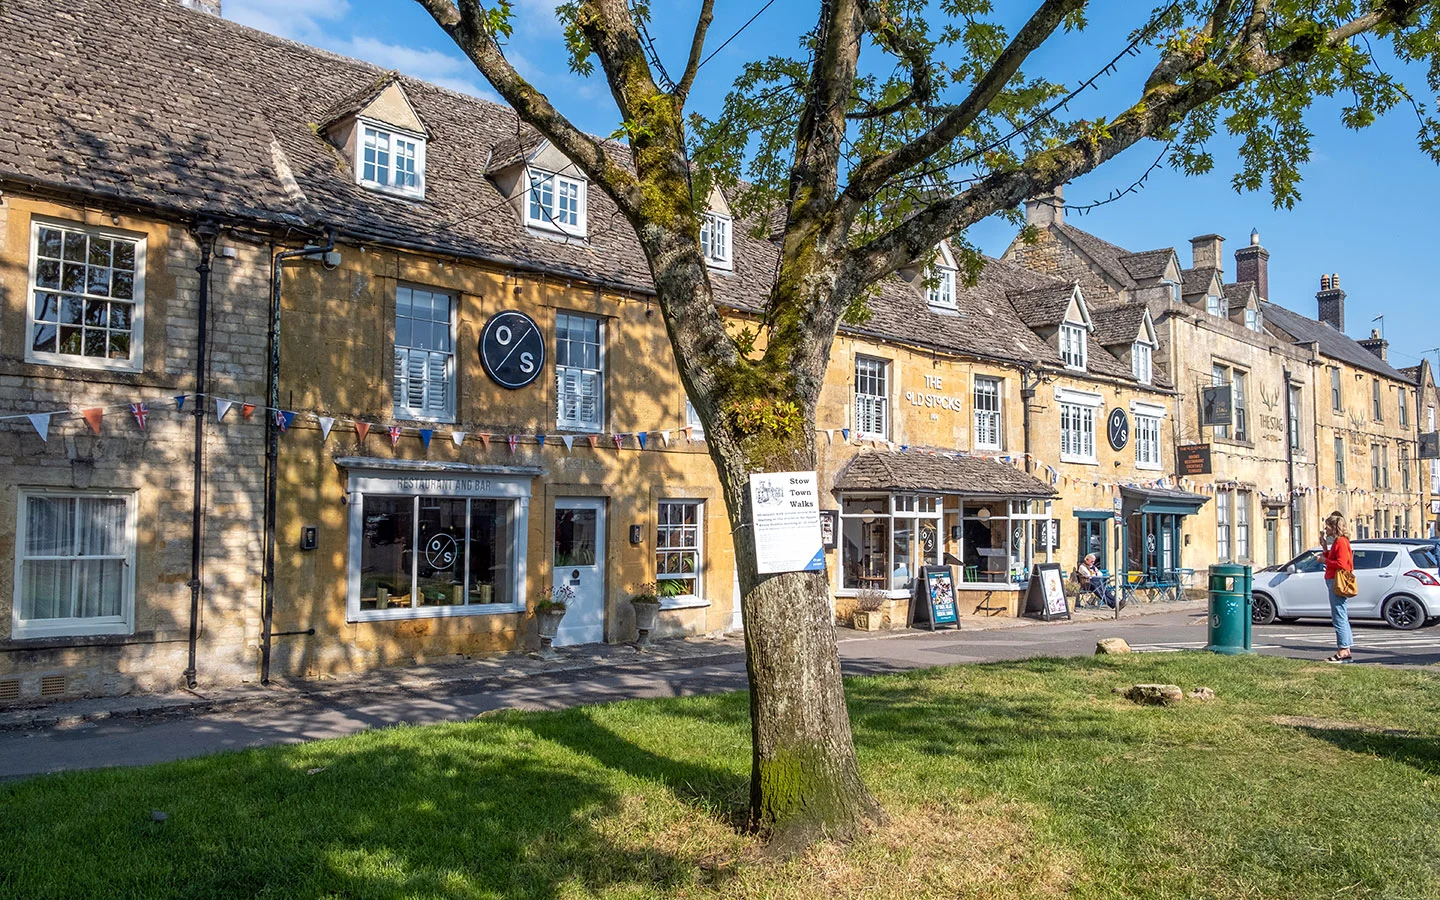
(785, 516)
(512, 349)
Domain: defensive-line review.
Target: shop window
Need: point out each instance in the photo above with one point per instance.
(988, 420)
(872, 398)
(87, 298)
(677, 548)
(579, 372)
(1001, 539)
(424, 354)
(76, 564)
(885, 540)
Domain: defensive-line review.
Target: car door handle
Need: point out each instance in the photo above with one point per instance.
(1387, 576)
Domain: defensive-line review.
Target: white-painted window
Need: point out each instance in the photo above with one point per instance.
(392, 160)
(715, 240)
(579, 372)
(692, 421)
(1294, 420)
(1404, 407)
(1252, 319)
(555, 202)
(941, 293)
(1242, 525)
(678, 560)
(1147, 442)
(1077, 433)
(87, 297)
(1175, 290)
(1404, 468)
(1072, 345)
(1224, 503)
(989, 422)
(1378, 410)
(1337, 400)
(1213, 305)
(424, 354)
(872, 398)
(1142, 363)
(1339, 460)
(75, 565)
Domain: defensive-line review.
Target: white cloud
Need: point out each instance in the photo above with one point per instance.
(435, 66)
(299, 20)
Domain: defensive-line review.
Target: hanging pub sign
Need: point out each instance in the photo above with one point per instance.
(1430, 445)
(934, 603)
(1193, 459)
(1117, 429)
(1216, 407)
(1045, 596)
(512, 349)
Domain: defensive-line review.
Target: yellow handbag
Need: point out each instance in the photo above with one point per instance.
(1345, 585)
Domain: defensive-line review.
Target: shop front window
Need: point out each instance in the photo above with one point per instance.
(885, 540)
(435, 551)
(1002, 539)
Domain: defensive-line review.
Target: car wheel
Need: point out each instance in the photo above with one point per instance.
(1404, 613)
(1262, 610)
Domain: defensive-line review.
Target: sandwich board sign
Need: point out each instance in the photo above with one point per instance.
(1045, 596)
(934, 603)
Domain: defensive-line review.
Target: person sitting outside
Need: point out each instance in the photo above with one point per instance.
(1092, 580)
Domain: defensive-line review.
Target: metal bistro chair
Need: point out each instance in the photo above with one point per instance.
(1085, 593)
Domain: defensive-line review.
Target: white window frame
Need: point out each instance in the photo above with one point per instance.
(1147, 442)
(577, 422)
(1078, 412)
(1212, 305)
(698, 548)
(394, 136)
(989, 404)
(1292, 424)
(941, 294)
(1142, 361)
(400, 382)
(1176, 293)
(540, 185)
(1223, 373)
(876, 405)
(136, 360)
(1242, 524)
(692, 421)
(717, 240)
(1339, 460)
(1224, 504)
(1376, 401)
(1404, 408)
(1337, 397)
(1072, 346)
(124, 623)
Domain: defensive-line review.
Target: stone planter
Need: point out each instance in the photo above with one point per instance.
(549, 622)
(868, 619)
(646, 614)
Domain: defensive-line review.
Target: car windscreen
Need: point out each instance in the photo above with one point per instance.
(1425, 557)
(1309, 561)
(1373, 559)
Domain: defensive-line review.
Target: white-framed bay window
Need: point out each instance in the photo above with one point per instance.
(1077, 424)
(87, 297)
(885, 539)
(989, 420)
(75, 563)
(715, 241)
(428, 544)
(555, 202)
(390, 159)
(872, 398)
(579, 372)
(424, 384)
(679, 532)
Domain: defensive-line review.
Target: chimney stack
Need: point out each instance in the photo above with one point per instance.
(206, 6)
(1376, 344)
(1331, 301)
(1252, 264)
(1046, 209)
(1208, 252)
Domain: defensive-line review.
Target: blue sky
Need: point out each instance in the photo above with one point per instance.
(1369, 198)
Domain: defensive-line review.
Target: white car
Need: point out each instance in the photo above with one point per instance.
(1398, 581)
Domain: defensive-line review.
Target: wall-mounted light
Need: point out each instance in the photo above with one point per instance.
(637, 534)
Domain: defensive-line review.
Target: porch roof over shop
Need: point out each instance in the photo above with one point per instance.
(936, 473)
(1170, 501)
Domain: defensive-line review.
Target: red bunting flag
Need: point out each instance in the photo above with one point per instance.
(485, 439)
(361, 430)
(594, 440)
(247, 409)
(92, 418)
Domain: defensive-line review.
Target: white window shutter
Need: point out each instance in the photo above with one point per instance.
(589, 412)
(437, 386)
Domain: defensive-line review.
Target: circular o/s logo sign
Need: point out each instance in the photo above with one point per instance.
(1118, 429)
(441, 551)
(512, 349)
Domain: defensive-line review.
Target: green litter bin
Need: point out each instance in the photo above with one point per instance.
(1230, 609)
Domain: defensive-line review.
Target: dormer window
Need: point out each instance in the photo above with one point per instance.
(942, 292)
(1212, 305)
(1072, 345)
(392, 160)
(1174, 288)
(1142, 363)
(715, 240)
(1252, 319)
(555, 202)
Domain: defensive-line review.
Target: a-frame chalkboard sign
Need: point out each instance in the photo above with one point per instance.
(934, 600)
(1045, 597)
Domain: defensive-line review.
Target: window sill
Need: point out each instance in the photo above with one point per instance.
(409, 415)
(683, 601)
(388, 191)
(1149, 467)
(61, 360)
(553, 232)
(859, 436)
(433, 612)
(1079, 460)
(71, 631)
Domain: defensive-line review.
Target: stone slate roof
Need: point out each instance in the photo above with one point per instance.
(1411, 373)
(1195, 281)
(1237, 294)
(517, 148)
(1045, 306)
(1118, 323)
(1147, 264)
(936, 473)
(1333, 343)
(1124, 267)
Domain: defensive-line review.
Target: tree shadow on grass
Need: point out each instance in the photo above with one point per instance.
(1419, 751)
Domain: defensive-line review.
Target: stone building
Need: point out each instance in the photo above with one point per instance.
(1429, 444)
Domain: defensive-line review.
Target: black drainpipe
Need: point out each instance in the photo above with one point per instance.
(205, 232)
(272, 445)
(1290, 464)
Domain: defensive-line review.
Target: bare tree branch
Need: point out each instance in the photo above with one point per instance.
(697, 47)
(888, 34)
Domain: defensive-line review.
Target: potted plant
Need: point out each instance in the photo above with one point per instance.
(646, 603)
(549, 610)
(869, 612)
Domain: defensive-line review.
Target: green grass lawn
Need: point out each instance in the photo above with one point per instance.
(1009, 780)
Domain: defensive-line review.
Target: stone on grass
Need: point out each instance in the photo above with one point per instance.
(1202, 693)
(158, 816)
(1111, 645)
(1156, 694)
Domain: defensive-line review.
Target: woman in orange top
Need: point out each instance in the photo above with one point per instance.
(1337, 556)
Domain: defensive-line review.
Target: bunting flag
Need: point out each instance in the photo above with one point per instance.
(179, 402)
(221, 408)
(247, 409)
(326, 423)
(514, 441)
(283, 418)
(688, 430)
(41, 421)
(829, 435)
(92, 418)
(361, 430)
(540, 439)
(395, 432)
(141, 412)
(425, 435)
(569, 440)
(665, 437)
(594, 440)
(641, 438)
(485, 439)
(458, 437)
(619, 440)
(845, 433)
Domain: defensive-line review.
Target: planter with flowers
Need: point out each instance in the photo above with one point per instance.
(646, 603)
(869, 612)
(549, 610)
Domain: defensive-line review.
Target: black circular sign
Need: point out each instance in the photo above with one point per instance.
(512, 349)
(1117, 429)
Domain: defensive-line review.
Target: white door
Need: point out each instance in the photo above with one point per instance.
(579, 558)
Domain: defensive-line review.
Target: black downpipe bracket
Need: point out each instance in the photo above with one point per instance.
(205, 231)
(272, 445)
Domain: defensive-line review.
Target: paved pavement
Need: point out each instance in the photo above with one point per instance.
(154, 728)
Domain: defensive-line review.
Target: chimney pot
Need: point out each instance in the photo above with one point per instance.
(1254, 237)
(1324, 282)
(1252, 264)
(1046, 209)
(1331, 302)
